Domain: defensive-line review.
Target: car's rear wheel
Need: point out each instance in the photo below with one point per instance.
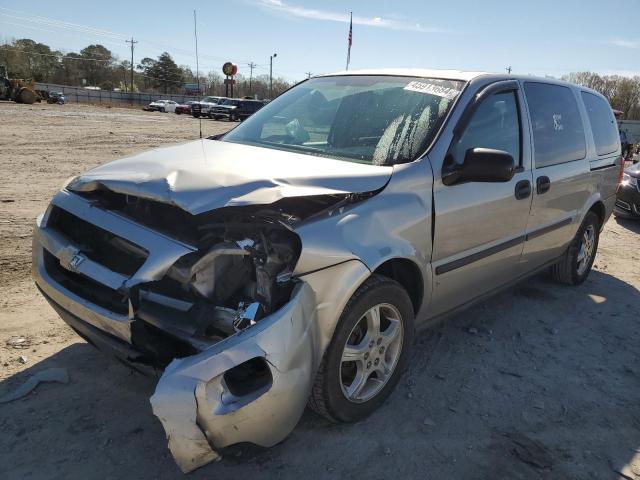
(367, 354)
(162, 109)
(576, 263)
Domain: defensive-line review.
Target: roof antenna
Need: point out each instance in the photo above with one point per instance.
(195, 33)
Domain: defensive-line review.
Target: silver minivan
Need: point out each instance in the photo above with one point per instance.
(288, 262)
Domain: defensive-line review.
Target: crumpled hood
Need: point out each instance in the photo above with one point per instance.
(204, 175)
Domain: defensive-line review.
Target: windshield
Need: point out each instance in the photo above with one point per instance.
(231, 102)
(380, 120)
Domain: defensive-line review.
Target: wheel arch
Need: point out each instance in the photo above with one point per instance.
(408, 274)
(600, 210)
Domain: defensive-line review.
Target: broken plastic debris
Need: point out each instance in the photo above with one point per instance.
(18, 342)
(247, 315)
(59, 375)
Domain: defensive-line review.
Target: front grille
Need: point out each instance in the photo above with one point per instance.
(85, 287)
(161, 217)
(115, 253)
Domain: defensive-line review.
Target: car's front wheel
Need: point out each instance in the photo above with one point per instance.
(367, 354)
(576, 263)
(162, 110)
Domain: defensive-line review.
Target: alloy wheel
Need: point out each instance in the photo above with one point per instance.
(586, 249)
(371, 353)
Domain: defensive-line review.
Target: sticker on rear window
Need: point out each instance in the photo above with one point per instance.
(433, 89)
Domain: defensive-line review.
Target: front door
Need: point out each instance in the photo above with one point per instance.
(479, 227)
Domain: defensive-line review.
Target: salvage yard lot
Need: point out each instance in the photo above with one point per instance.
(542, 381)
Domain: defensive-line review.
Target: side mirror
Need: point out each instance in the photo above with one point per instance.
(481, 165)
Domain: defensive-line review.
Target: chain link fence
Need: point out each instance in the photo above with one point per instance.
(84, 95)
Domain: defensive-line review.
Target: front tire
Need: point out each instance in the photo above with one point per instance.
(576, 263)
(367, 354)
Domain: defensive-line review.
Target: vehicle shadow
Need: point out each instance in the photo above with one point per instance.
(633, 225)
(541, 381)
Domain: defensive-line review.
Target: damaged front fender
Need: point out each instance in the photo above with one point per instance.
(250, 387)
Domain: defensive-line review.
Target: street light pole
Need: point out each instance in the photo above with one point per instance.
(271, 75)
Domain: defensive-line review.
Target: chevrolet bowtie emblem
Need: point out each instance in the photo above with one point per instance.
(75, 262)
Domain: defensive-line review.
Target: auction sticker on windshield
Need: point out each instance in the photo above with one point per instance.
(433, 89)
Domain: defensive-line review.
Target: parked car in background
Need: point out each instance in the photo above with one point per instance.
(628, 196)
(163, 106)
(289, 261)
(184, 107)
(203, 106)
(56, 97)
(235, 109)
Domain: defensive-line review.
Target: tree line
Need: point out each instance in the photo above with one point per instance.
(96, 66)
(623, 93)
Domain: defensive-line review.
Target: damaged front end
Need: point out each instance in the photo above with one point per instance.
(208, 301)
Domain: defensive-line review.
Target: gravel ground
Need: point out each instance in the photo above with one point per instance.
(542, 381)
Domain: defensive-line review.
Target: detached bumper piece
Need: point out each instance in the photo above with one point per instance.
(251, 387)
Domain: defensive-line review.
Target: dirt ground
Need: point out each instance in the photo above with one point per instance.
(542, 381)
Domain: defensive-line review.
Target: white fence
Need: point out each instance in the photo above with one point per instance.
(83, 95)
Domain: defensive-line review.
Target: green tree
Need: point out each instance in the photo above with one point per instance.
(70, 70)
(26, 58)
(166, 74)
(97, 62)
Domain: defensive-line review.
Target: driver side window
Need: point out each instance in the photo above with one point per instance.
(495, 124)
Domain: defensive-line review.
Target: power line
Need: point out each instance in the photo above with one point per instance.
(51, 22)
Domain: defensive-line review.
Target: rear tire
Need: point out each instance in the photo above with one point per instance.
(576, 263)
(363, 364)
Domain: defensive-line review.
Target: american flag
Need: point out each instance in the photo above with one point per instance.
(350, 40)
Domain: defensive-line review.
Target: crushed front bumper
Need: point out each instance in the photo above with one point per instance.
(200, 400)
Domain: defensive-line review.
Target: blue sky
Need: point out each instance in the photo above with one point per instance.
(541, 37)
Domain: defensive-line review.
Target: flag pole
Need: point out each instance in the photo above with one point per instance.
(350, 40)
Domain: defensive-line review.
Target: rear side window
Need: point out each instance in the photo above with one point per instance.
(603, 123)
(558, 133)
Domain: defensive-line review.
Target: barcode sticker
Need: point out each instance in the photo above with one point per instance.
(432, 89)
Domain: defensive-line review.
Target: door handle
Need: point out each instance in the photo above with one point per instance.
(543, 184)
(523, 189)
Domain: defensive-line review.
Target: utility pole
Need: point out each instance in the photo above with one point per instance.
(509, 69)
(251, 67)
(132, 42)
(271, 75)
(308, 74)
